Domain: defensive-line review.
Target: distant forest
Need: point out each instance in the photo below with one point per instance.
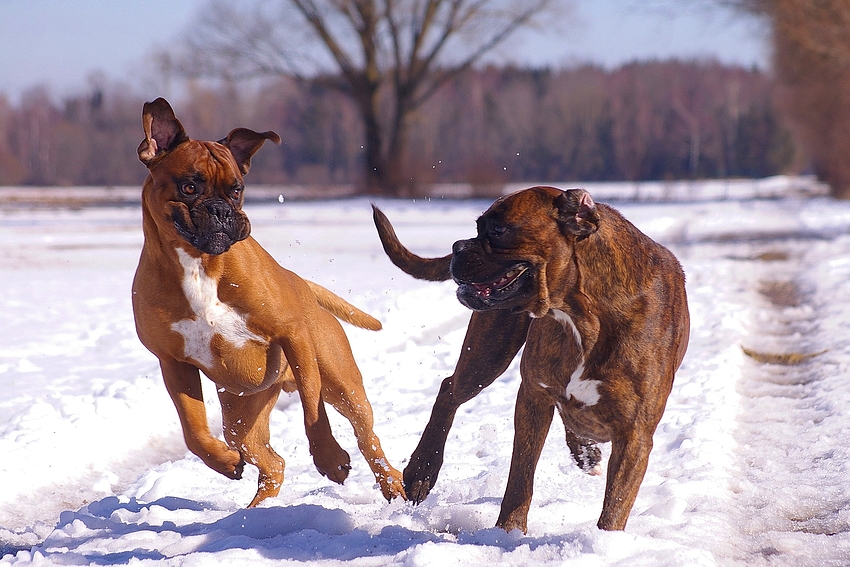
(641, 121)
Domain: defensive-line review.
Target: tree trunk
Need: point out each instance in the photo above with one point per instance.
(374, 165)
(396, 151)
(384, 155)
(374, 170)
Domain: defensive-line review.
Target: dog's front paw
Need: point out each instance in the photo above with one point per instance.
(237, 470)
(392, 484)
(420, 478)
(417, 490)
(227, 462)
(334, 464)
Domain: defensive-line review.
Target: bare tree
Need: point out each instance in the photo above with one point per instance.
(811, 42)
(388, 56)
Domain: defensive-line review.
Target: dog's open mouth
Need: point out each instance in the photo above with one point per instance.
(501, 286)
(498, 293)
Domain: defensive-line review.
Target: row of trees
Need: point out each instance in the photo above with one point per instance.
(652, 120)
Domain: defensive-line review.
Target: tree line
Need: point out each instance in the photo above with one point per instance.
(486, 126)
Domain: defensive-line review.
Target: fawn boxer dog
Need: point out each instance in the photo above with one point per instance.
(207, 297)
(602, 311)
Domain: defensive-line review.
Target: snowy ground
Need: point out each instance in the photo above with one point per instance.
(750, 465)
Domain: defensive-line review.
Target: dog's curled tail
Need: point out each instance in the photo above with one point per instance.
(341, 309)
(431, 269)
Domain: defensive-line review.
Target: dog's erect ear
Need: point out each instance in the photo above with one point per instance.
(163, 132)
(244, 143)
(577, 213)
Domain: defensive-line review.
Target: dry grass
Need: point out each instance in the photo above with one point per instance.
(782, 293)
(772, 256)
(785, 359)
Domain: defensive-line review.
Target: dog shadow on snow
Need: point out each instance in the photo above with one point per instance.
(109, 532)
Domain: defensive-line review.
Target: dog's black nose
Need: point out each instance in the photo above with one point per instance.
(460, 246)
(219, 209)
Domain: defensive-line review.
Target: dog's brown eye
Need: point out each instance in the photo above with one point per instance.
(497, 236)
(188, 189)
(235, 192)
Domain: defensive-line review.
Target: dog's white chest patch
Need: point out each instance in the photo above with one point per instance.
(211, 315)
(584, 391)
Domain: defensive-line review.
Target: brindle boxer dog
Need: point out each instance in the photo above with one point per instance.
(208, 297)
(602, 311)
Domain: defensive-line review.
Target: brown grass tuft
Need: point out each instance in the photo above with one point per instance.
(784, 359)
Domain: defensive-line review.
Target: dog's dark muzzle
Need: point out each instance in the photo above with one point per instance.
(214, 226)
(466, 260)
(487, 282)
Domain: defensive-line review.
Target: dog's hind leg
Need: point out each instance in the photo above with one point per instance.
(351, 402)
(245, 421)
(585, 452)
(302, 351)
(492, 340)
(342, 387)
(183, 383)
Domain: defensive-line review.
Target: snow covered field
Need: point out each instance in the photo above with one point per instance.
(750, 465)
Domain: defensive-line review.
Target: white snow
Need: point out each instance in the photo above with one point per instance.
(750, 464)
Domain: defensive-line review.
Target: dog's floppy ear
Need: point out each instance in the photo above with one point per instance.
(244, 143)
(163, 132)
(577, 213)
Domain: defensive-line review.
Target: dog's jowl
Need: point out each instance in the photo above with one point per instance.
(208, 298)
(602, 311)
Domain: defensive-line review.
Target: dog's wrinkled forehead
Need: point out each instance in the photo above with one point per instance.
(523, 208)
(207, 162)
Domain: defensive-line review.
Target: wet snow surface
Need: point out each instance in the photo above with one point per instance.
(750, 460)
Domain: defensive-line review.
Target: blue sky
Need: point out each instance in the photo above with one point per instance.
(60, 44)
